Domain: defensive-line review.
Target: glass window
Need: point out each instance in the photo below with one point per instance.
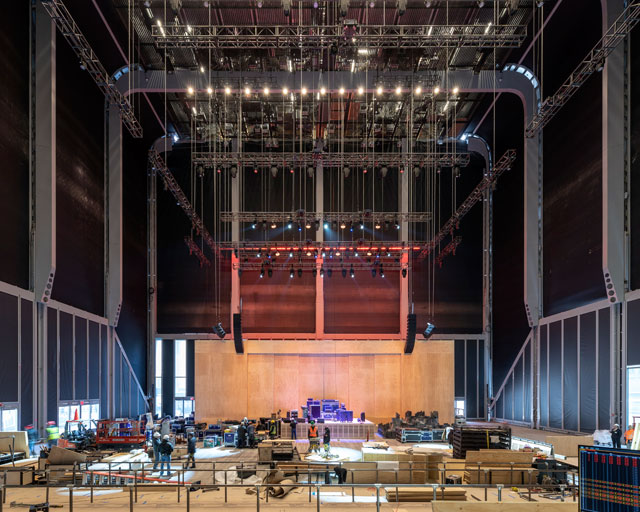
(95, 412)
(158, 400)
(158, 358)
(181, 358)
(188, 407)
(10, 420)
(181, 387)
(179, 408)
(63, 416)
(85, 415)
(459, 408)
(633, 390)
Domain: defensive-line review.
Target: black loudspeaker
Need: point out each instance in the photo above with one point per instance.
(411, 333)
(237, 333)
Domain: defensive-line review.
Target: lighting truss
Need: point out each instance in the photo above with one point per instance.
(592, 63)
(355, 160)
(70, 31)
(159, 166)
(449, 249)
(502, 165)
(195, 250)
(371, 36)
(310, 265)
(393, 247)
(302, 217)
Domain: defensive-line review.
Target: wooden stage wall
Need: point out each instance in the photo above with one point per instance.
(370, 376)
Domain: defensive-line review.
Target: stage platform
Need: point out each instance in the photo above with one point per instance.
(360, 430)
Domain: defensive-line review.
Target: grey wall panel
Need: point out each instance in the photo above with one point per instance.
(459, 352)
(604, 371)
(633, 333)
(117, 380)
(555, 375)
(588, 357)
(168, 376)
(52, 364)
(482, 405)
(81, 392)
(104, 368)
(544, 402)
(508, 400)
(191, 363)
(517, 390)
(472, 379)
(66, 356)
(124, 397)
(9, 339)
(528, 395)
(94, 360)
(26, 362)
(570, 375)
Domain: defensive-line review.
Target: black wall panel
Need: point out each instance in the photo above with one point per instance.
(191, 367)
(633, 333)
(482, 406)
(52, 364)
(635, 159)
(104, 364)
(527, 385)
(9, 338)
(26, 361)
(555, 375)
(80, 185)
(126, 387)
(94, 360)
(81, 392)
(588, 355)
(508, 400)
(472, 379)
(604, 370)
(66, 356)
(14, 143)
(544, 389)
(517, 390)
(570, 374)
(459, 351)
(168, 376)
(117, 379)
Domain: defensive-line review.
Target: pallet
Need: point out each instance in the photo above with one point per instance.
(416, 494)
(474, 438)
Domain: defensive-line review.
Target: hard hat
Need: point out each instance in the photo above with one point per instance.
(166, 437)
(28, 427)
(156, 434)
(51, 422)
(312, 422)
(616, 425)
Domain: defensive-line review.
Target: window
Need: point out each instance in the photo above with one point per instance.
(9, 418)
(184, 406)
(633, 395)
(181, 368)
(158, 397)
(88, 412)
(459, 407)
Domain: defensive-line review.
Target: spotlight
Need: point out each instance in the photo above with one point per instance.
(270, 272)
(264, 224)
(342, 225)
(456, 90)
(344, 272)
(289, 226)
(219, 330)
(308, 253)
(429, 329)
(341, 91)
(360, 90)
(307, 225)
(261, 271)
(254, 224)
(346, 171)
(404, 272)
(315, 5)
(291, 273)
(427, 3)
(378, 226)
(379, 90)
(190, 90)
(286, 7)
(397, 225)
(381, 271)
(321, 271)
(373, 272)
(310, 172)
(227, 90)
(291, 255)
(329, 272)
(209, 90)
(274, 171)
(416, 171)
(361, 224)
(266, 91)
(304, 91)
(383, 172)
(234, 172)
(299, 272)
(436, 90)
(247, 91)
(285, 91)
(455, 171)
(273, 225)
(398, 90)
(352, 272)
(418, 90)
(323, 91)
(259, 4)
(277, 253)
(480, 4)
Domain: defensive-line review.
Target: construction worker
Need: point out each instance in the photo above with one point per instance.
(293, 424)
(326, 439)
(628, 435)
(616, 435)
(166, 449)
(32, 435)
(273, 429)
(191, 449)
(156, 449)
(53, 434)
(314, 444)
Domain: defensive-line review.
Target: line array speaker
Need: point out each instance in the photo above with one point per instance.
(411, 333)
(237, 333)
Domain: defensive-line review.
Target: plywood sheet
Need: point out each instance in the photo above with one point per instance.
(503, 507)
(310, 378)
(568, 445)
(388, 385)
(285, 383)
(260, 380)
(362, 384)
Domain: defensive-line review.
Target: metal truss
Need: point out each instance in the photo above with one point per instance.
(372, 36)
(592, 63)
(71, 32)
(477, 195)
(449, 249)
(311, 159)
(389, 248)
(310, 266)
(158, 165)
(303, 217)
(195, 250)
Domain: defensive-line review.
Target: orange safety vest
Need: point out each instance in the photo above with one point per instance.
(628, 435)
(313, 431)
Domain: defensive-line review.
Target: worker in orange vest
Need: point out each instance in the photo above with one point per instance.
(628, 435)
(314, 445)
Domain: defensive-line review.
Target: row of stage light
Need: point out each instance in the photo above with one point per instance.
(327, 226)
(329, 271)
(380, 91)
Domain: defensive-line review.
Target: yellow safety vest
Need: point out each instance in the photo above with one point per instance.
(53, 433)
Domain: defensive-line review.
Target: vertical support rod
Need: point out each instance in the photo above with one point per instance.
(319, 299)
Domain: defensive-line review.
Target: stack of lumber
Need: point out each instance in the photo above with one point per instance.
(399, 466)
(19, 473)
(504, 507)
(424, 494)
(475, 438)
(499, 467)
(568, 445)
(451, 467)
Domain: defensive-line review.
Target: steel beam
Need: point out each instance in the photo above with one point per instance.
(365, 36)
(302, 216)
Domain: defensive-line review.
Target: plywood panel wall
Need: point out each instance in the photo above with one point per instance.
(370, 376)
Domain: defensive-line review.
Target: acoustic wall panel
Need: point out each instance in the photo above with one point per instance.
(604, 370)
(472, 379)
(94, 360)
(588, 355)
(66, 356)
(285, 382)
(52, 364)
(9, 360)
(518, 391)
(26, 361)
(260, 372)
(544, 390)
(104, 368)
(570, 374)
(459, 356)
(482, 406)
(633, 333)
(80, 362)
(555, 375)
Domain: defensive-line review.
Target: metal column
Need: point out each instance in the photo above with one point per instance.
(403, 199)
(113, 218)
(319, 207)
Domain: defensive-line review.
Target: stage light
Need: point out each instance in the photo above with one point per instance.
(310, 172)
(352, 272)
(355, 254)
(219, 330)
(291, 273)
(253, 225)
(261, 271)
(247, 91)
(455, 91)
(190, 90)
(266, 91)
(264, 224)
(436, 90)
(307, 225)
(384, 171)
(285, 91)
(277, 253)
(428, 331)
(299, 272)
(290, 254)
(329, 272)
(289, 226)
(341, 91)
(308, 253)
(416, 171)
(316, 224)
(273, 225)
(274, 171)
(344, 272)
(373, 272)
(234, 171)
(361, 225)
(360, 90)
(378, 226)
(337, 253)
(259, 254)
(209, 90)
(379, 90)
(323, 91)
(397, 225)
(346, 171)
(227, 90)
(321, 271)
(404, 272)
(381, 271)
(398, 90)
(342, 225)
(418, 90)
(304, 91)
(314, 272)
(326, 225)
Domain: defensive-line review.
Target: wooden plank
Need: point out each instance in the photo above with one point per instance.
(568, 445)
(285, 383)
(260, 380)
(388, 385)
(504, 507)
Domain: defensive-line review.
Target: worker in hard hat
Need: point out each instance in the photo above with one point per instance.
(32, 436)
(156, 449)
(166, 449)
(191, 449)
(314, 444)
(53, 434)
(616, 435)
(628, 435)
